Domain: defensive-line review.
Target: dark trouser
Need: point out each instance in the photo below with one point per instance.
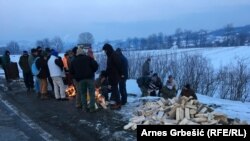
(87, 85)
(51, 83)
(28, 80)
(115, 96)
(123, 91)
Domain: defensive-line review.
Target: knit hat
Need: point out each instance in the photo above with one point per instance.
(25, 52)
(54, 53)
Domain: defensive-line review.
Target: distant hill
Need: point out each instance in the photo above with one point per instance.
(220, 32)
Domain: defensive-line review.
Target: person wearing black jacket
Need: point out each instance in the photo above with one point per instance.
(115, 73)
(122, 82)
(83, 69)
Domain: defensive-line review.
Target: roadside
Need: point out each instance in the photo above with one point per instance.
(62, 120)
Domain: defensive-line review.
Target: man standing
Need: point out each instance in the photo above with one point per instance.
(122, 82)
(5, 64)
(115, 73)
(27, 74)
(146, 68)
(83, 69)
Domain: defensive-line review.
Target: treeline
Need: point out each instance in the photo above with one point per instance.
(229, 82)
(228, 36)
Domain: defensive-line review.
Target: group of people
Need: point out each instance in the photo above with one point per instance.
(76, 68)
(151, 84)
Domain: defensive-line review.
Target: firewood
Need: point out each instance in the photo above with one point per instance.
(203, 110)
(187, 113)
(160, 114)
(193, 111)
(138, 119)
(184, 121)
(134, 127)
(129, 125)
(179, 114)
(169, 122)
(212, 122)
(172, 113)
(199, 119)
(191, 106)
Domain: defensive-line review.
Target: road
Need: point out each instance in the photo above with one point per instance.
(25, 117)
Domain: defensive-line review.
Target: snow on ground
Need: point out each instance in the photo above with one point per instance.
(233, 109)
(219, 57)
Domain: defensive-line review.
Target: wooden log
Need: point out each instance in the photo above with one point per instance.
(169, 122)
(182, 114)
(129, 125)
(160, 114)
(138, 120)
(148, 113)
(146, 122)
(199, 119)
(134, 127)
(203, 110)
(159, 102)
(187, 113)
(177, 114)
(193, 111)
(184, 121)
(201, 115)
(192, 123)
(212, 122)
(172, 113)
(190, 106)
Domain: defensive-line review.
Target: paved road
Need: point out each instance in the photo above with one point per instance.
(13, 128)
(52, 120)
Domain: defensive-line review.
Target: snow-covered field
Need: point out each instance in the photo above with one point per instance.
(218, 56)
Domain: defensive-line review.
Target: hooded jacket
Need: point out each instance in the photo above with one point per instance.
(114, 65)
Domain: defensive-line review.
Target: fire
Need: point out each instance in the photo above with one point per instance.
(100, 99)
(70, 91)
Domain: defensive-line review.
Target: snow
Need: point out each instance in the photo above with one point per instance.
(233, 109)
(219, 57)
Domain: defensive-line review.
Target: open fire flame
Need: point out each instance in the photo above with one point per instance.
(99, 98)
(70, 91)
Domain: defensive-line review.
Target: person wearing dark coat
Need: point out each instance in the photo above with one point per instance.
(146, 68)
(102, 84)
(5, 62)
(27, 74)
(188, 91)
(42, 64)
(83, 69)
(115, 73)
(155, 85)
(122, 82)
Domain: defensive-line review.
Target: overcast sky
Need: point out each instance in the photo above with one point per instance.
(115, 19)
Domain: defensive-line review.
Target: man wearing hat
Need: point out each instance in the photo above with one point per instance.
(27, 74)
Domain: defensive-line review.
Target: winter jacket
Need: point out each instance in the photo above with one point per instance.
(124, 61)
(5, 60)
(188, 92)
(54, 69)
(31, 60)
(24, 63)
(114, 65)
(145, 69)
(83, 67)
(41, 63)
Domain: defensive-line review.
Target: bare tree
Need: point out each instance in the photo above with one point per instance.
(57, 44)
(13, 47)
(86, 38)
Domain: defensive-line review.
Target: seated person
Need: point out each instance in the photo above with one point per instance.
(154, 85)
(188, 91)
(170, 90)
(102, 85)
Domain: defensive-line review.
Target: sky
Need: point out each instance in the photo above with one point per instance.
(114, 19)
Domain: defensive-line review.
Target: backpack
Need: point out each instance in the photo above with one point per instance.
(59, 62)
(35, 71)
